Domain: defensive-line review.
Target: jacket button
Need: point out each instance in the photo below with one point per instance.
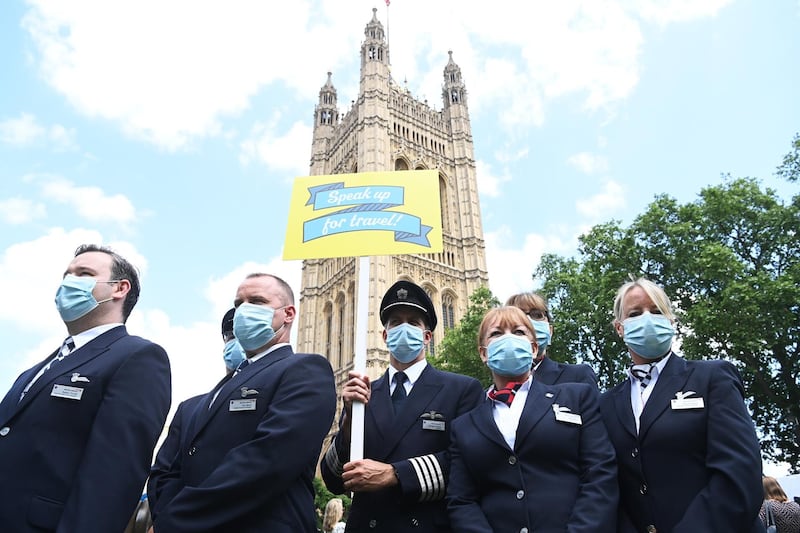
(523, 530)
(635, 452)
(512, 460)
(520, 494)
(192, 450)
(5, 431)
(414, 522)
(651, 529)
(643, 488)
(373, 523)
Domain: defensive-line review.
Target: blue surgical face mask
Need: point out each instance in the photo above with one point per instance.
(252, 325)
(233, 354)
(74, 297)
(542, 334)
(648, 335)
(405, 342)
(510, 355)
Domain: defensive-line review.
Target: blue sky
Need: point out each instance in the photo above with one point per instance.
(173, 131)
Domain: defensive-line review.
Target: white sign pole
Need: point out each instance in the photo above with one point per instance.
(360, 357)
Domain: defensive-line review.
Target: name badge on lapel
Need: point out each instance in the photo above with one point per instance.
(563, 415)
(433, 421)
(65, 391)
(682, 402)
(248, 404)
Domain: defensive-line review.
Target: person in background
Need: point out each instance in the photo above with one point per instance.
(531, 457)
(246, 460)
(77, 430)
(687, 451)
(332, 521)
(232, 356)
(545, 369)
(400, 484)
(785, 512)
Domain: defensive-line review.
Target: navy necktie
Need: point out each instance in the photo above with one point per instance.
(644, 373)
(399, 395)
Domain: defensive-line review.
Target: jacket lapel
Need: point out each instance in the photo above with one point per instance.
(80, 356)
(204, 415)
(547, 371)
(381, 402)
(483, 419)
(622, 405)
(670, 381)
(539, 402)
(11, 402)
(424, 390)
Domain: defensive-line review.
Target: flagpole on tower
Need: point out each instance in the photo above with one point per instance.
(387, 22)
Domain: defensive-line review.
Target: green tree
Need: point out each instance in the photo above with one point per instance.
(458, 351)
(730, 262)
(321, 498)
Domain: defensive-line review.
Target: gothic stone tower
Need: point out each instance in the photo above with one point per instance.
(386, 128)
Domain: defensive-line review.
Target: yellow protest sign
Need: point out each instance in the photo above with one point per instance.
(369, 213)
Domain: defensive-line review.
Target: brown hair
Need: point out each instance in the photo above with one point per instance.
(506, 317)
(773, 490)
(528, 301)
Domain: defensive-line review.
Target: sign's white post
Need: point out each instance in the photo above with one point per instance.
(360, 357)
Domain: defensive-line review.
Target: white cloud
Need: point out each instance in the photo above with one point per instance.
(289, 153)
(29, 276)
(489, 183)
(511, 266)
(20, 210)
(602, 204)
(666, 11)
(91, 203)
(588, 163)
(26, 131)
(201, 63)
(21, 131)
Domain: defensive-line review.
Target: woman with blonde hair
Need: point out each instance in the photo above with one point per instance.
(530, 457)
(687, 454)
(785, 512)
(332, 521)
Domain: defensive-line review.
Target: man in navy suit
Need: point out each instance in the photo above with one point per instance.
(77, 430)
(401, 483)
(232, 356)
(545, 369)
(687, 451)
(246, 458)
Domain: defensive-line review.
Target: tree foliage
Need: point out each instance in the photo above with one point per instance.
(458, 351)
(730, 262)
(321, 498)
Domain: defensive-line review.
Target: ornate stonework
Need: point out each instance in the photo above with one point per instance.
(387, 128)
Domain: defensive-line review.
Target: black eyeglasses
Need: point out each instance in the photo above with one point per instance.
(537, 314)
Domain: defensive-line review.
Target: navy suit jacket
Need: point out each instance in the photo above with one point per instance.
(560, 476)
(688, 469)
(161, 470)
(247, 463)
(552, 372)
(79, 464)
(415, 442)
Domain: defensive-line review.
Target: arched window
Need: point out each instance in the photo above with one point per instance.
(448, 311)
(444, 205)
(328, 314)
(340, 307)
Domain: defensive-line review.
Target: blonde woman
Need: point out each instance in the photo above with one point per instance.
(530, 457)
(686, 446)
(332, 521)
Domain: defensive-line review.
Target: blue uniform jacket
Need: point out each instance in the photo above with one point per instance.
(161, 470)
(694, 465)
(552, 372)
(247, 463)
(79, 463)
(560, 476)
(415, 443)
